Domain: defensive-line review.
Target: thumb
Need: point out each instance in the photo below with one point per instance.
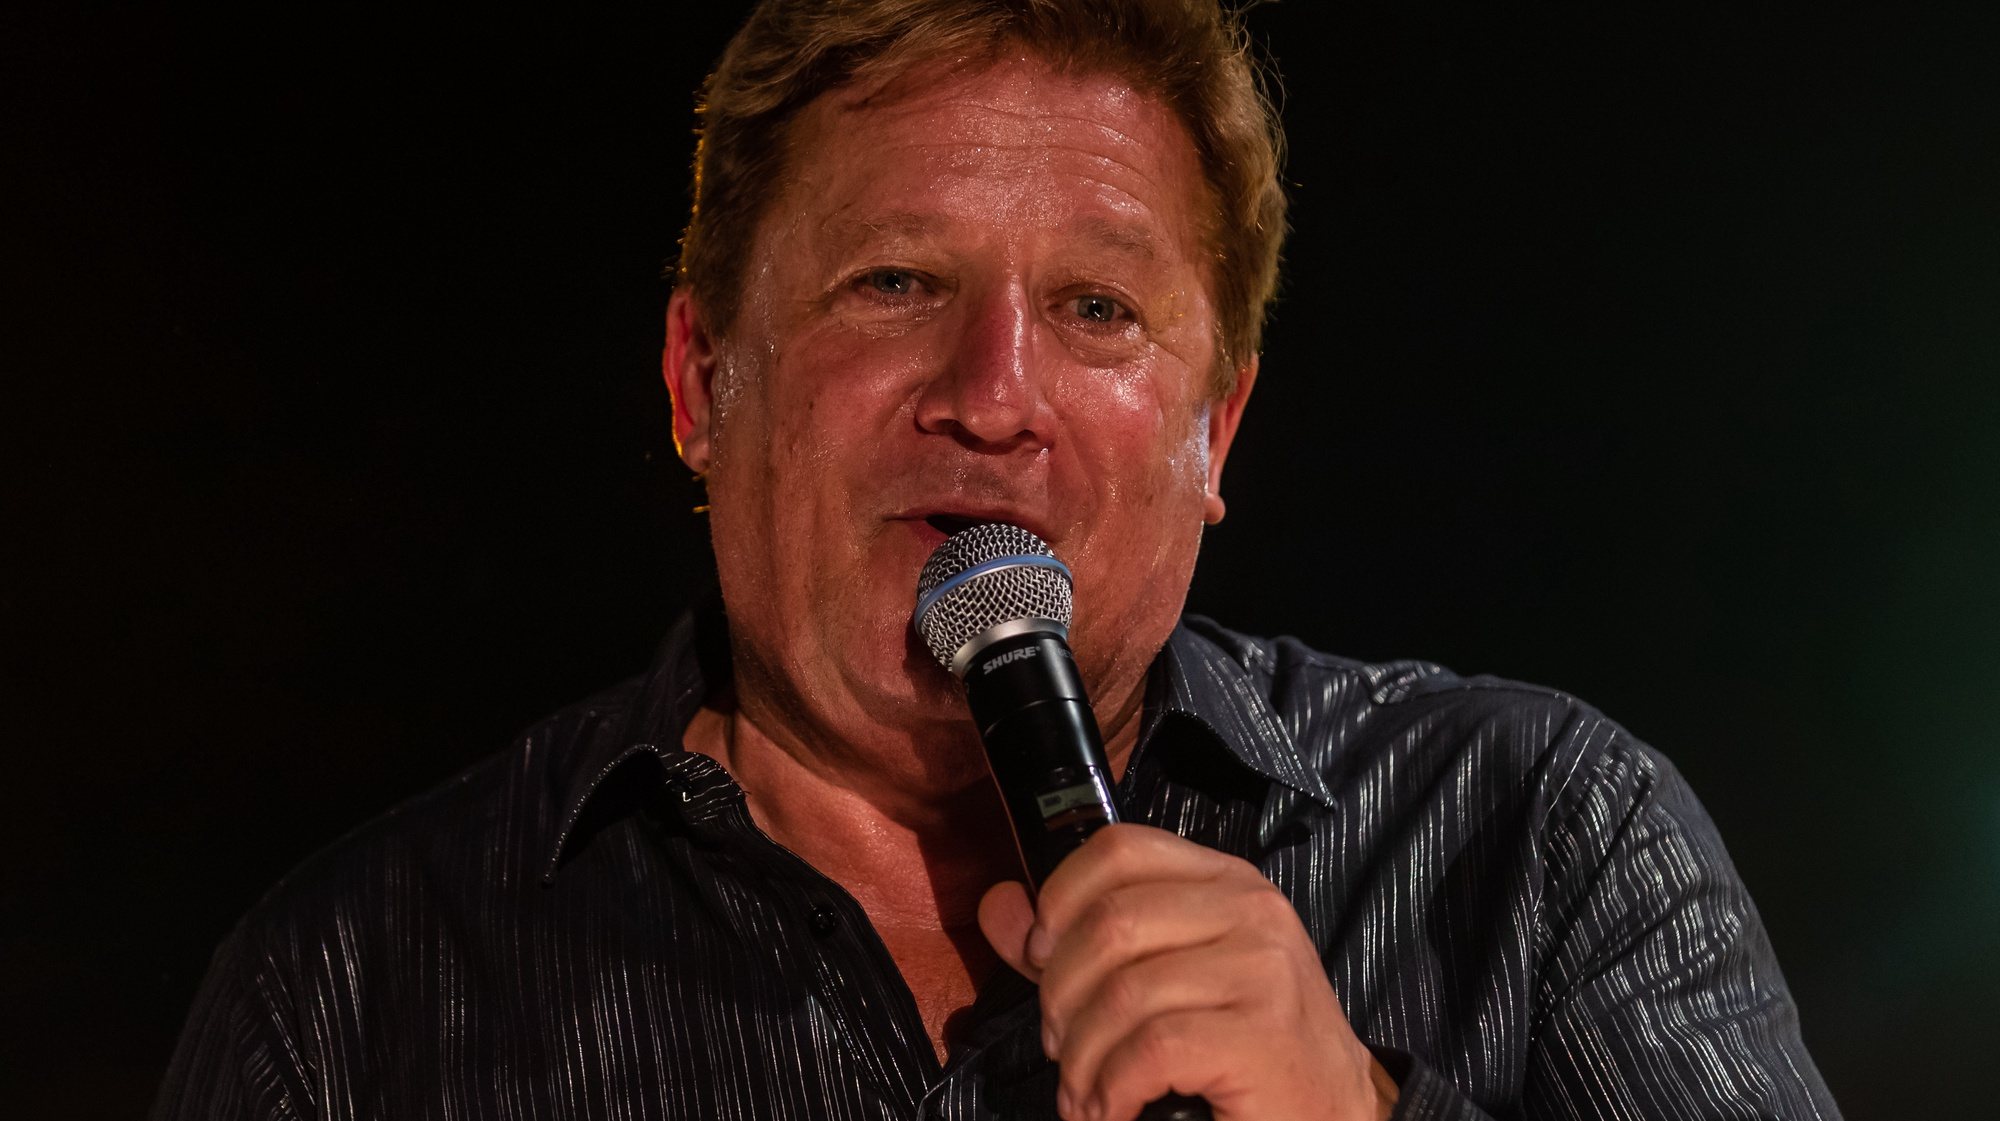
(1005, 917)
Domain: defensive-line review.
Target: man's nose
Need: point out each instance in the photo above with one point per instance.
(989, 391)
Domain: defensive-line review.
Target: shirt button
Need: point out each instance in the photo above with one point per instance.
(825, 920)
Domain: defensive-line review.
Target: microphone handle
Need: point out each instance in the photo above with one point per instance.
(1047, 756)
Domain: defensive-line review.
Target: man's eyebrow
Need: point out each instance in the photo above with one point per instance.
(1125, 238)
(895, 223)
(1121, 237)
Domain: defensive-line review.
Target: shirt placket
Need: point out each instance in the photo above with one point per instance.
(822, 933)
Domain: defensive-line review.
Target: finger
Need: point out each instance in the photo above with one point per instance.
(1124, 926)
(1006, 916)
(1190, 1052)
(1121, 854)
(1130, 997)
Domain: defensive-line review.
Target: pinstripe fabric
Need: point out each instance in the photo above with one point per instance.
(1522, 908)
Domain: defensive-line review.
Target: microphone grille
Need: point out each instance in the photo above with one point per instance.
(984, 576)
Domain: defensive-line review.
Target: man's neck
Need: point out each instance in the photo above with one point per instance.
(916, 803)
(916, 853)
(906, 859)
(917, 872)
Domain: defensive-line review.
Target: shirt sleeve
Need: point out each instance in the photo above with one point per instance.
(1658, 994)
(233, 1062)
(1424, 1094)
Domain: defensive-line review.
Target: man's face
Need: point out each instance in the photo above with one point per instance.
(980, 297)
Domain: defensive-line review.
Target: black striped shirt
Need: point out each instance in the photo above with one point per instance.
(1522, 908)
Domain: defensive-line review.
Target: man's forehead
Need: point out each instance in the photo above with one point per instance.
(932, 79)
(1083, 154)
(1022, 103)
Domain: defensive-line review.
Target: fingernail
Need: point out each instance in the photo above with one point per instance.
(1039, 945)
(1093, 1110)
(1049, 1041)
(1063, 1103)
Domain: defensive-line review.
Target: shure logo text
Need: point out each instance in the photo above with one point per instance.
(1010, 656)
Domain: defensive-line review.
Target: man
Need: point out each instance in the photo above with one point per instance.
(974, 260)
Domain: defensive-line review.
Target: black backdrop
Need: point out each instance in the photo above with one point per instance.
(1650, 356)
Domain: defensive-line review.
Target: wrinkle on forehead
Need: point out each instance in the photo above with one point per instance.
(886, 88)
(1028, 115)
(992, 135)
(1026, 107)
(1016, 112)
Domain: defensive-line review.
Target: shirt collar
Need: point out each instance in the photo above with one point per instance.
(1225, 693)
(692, 659)
(1193, 682)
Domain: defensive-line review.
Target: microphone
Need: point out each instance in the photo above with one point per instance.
(994, 607)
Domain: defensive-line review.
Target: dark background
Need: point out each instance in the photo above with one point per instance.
(1652, 356)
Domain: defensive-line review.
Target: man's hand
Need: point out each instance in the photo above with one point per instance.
(1168, 966)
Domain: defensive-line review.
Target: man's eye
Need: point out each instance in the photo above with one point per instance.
(1098, 309)
(891, 282)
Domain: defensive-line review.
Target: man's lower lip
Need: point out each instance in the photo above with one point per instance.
(926, 532)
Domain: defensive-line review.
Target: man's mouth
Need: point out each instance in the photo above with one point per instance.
(934, 522)
(949, 524)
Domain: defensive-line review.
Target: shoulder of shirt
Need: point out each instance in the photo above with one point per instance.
(1284, 660)
(1342, 711)
(512, 799)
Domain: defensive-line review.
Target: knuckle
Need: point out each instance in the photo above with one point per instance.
(1119, 842)
(1269, 908)
(1271, 964)
(1120, 997)
(1237, 867)
(1114, 922)
(1156, 1045)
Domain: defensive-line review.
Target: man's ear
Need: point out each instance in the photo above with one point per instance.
(688, 364)
(1223, 417)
